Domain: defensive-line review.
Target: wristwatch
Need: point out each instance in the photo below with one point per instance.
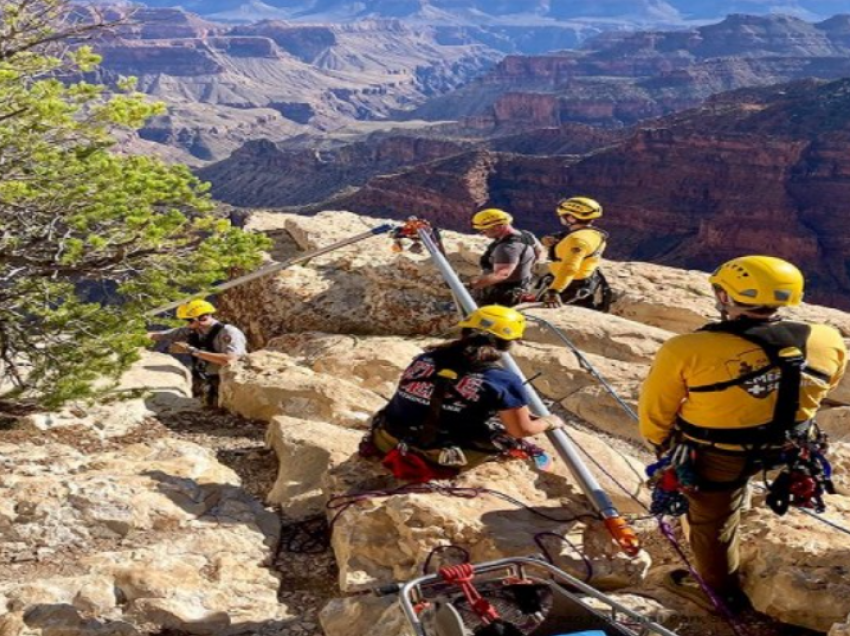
(193, 351)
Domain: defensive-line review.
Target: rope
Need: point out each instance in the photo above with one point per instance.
(667, 532)
(341, 503)
(538, 539)
(426, 567)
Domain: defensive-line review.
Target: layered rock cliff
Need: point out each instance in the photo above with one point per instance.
(755, 170)
(619, 79)
(225, 85)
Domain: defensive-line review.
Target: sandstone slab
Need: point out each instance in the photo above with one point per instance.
(156, 384)
(306, 450)
(266, 384)
(795, 569)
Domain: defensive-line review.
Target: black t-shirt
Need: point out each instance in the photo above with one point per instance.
(474, 398)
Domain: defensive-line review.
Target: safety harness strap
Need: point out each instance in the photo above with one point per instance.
(553, 256)
(204, 342)
(524, 237)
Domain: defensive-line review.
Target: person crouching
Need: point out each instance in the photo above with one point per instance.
(455, 406)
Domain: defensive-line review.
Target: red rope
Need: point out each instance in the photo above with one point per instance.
(462, 575)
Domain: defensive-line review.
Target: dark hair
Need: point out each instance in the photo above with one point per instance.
(473, 350)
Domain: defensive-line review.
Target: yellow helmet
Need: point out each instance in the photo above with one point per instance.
(502, 322)
(762, 281)
(195, 309)
(580, 207)
(491, 217)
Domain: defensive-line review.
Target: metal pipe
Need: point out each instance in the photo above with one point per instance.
(617, 526)
(276, 267)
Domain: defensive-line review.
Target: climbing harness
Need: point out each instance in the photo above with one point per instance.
(805, 478)
(670, 478)
(514, 597)
(508, 293)
(617, 526)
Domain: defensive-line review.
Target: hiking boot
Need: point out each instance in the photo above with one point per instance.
(682, 584)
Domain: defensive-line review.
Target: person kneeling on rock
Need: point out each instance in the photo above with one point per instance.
(443, 417)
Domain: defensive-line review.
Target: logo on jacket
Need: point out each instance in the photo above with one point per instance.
(760, 386)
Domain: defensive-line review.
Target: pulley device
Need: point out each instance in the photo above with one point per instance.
(620, 530)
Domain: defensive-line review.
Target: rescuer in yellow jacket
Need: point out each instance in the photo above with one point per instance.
(737, 393)
(574, 271)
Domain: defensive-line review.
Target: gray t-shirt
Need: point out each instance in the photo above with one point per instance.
(229, 340)
(519, 253)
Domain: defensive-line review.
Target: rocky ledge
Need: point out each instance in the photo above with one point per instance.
(107, 528)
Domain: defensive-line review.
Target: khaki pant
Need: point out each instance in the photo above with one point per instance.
(385, 442)
(714, 517)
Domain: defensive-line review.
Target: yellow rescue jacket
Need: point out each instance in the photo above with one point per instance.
(577, 256)
(687, 365)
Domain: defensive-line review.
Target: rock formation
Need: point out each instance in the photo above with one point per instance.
(674, 192)
(110, 525)
(227, 85)
(412, 524)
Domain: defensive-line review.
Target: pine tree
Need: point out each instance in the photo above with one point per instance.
(76, 216)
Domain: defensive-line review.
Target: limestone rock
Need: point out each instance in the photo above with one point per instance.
(159, 382)
(559, 376)
(375, 363)
(614, 337)
(306, 450)
(842, 629)
(265, 384)
(488, 526)
(154, 534)
(795, 569)
(362, 616)
(835, 422)
(361, 289)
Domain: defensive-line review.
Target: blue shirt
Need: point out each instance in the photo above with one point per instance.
(473, 399)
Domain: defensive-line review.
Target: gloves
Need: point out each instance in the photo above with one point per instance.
(552, 299)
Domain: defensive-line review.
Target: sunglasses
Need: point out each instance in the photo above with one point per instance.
(198, 319)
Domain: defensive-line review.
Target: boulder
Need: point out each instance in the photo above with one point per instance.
(374, 363)
(835, 422)
(265, 384)
(154, 385)
(839, 629)
(614, 337)
(363, 616)
(559, 377)
(306, 450)
(795, 568)
(365, 289)
(489, 526)
(148, 537)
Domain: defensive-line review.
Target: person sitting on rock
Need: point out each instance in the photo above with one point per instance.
(575, 277)
(508, 263)
(210, 343)
(455, 407)
(741, 394)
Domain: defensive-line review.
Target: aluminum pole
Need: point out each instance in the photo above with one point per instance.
(617, 526)
(276, 267)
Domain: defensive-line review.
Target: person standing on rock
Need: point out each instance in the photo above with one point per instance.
(455, 407)
(575, 277)
(740, 395)
(210, 343)
(508, 263)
